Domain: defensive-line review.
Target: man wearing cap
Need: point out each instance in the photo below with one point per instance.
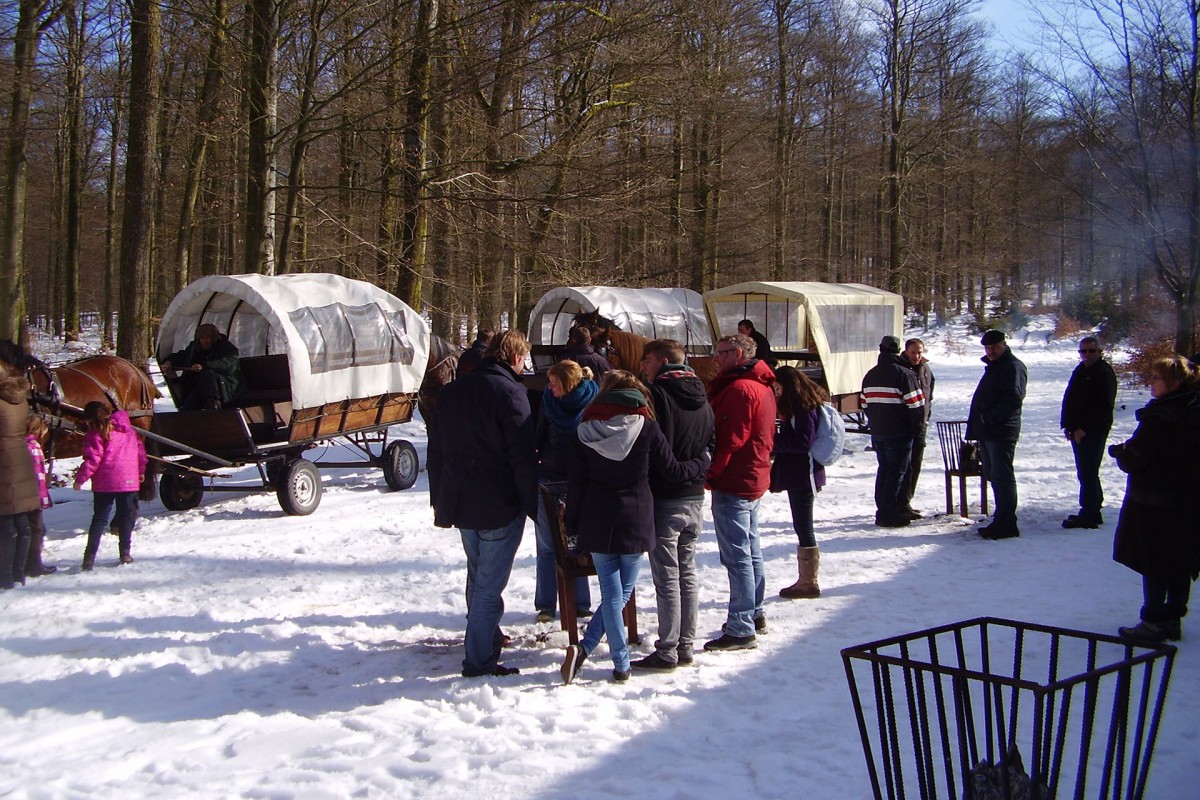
(210, 369)
(896, 415)
(1087, 417)
(995, 422)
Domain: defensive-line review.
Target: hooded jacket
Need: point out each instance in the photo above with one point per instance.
(482, 469)
(743, 406)
(1158, 532)
(895, 402)
(682, 411)
(995, 413)
(609, 505)
(116, 465)
(18, 487)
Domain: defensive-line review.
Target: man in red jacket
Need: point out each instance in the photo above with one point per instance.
(744, 410)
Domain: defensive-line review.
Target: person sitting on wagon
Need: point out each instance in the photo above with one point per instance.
(210, 369)
(762, 348)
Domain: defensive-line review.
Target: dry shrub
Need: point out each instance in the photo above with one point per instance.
(1066, 326)
(1136, 371)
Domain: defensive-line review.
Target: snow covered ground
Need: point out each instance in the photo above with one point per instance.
(249, 654)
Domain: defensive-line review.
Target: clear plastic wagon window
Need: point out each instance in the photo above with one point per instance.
(338, 336)
(856, 328)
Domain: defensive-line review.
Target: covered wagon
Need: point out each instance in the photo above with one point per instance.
(651, 313)
(322, 357)
(831, 330)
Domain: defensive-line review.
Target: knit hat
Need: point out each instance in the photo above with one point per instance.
(992, 337)
(889, 344)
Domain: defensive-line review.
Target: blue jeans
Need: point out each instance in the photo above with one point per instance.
(617, 574)
(997, 459)
(545, 592)
(1089, 455)
(490, 555)
(735, 520)
(892, 453)
(677, 525)
(102, 505)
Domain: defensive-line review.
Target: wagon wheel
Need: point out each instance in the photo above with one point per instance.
(400, 465)
(180, 492)
(299, 488)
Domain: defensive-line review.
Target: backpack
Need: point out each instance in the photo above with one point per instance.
(830, 439)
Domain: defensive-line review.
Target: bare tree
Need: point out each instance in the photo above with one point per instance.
(1139, 60)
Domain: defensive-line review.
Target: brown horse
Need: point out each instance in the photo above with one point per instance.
(62, 392)
(441, 368)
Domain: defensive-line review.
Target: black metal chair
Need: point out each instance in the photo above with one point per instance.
(961, 460)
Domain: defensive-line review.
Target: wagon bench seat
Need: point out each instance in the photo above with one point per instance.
(267, 380)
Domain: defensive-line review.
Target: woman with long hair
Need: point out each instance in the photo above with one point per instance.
(569, 389)
(609, 505)
(795, 471)
(1158, 532)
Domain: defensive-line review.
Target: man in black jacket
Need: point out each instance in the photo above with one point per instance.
(1087, 417)
(473, 355)
(210, 370)
(482, 480)
(682, 410)
(995, 422)
(896, 415)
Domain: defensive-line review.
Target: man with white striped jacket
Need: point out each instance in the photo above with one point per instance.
(895, 412)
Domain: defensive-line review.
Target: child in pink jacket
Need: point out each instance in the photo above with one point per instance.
(114, 458)
(33, 567)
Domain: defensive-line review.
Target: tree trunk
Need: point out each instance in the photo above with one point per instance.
(30, 25)
(133, 336)
(262, 102)
(206, 115)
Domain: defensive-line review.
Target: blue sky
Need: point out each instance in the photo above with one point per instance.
(1012, 20)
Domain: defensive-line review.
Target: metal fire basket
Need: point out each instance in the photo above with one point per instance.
(991, 709)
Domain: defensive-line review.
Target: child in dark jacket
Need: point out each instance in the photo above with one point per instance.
(114, 459)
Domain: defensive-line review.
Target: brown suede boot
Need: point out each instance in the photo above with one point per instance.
(808, 560)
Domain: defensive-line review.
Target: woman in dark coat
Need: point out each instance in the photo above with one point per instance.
(1158, 533)
(796, 472)
(18, 486)
(568, 391)
(609, 505)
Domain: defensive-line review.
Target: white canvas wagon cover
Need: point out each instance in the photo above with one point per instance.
(345, 339)
(654, 313)
(841, 322)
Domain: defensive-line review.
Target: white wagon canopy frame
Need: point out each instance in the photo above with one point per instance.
(841, 323)
(344, 338)
(653, 313)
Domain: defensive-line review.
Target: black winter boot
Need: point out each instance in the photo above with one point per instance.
(8, 548)
(20, 550)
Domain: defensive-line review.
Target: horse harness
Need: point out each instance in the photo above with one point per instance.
(49, 405)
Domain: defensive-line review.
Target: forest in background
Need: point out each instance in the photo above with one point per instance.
(468, 155)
